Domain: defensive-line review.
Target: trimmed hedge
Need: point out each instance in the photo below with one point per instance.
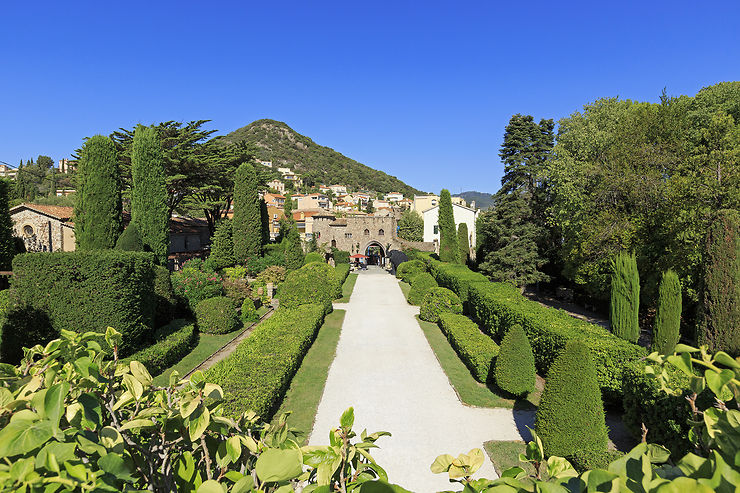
(90, 290)
(419, 286)
(340, 256)
(217, 315)
(341, 272)
(313, 283)
(475, 349)
(455, 277)
(498, 306)
(174, 341)
(24, 326)
(439, 300)
(257, 374)
(249, 312)
(313, 257)
(410, 269)
(165, 299)
(515, 372)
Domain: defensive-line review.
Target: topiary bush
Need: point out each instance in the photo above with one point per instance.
(340, 256)
(570, 417)
(668, 317)
(455, 277)
(173, 342)
(476, 350)
(439, 300)
(312, 283)
(313, 257)
(624, 305)
(515, 372)
(249, 312)
(165, 299)
(584, 460)
(222, 246)
(217, 315)
(130, 240)
(420, 284)
(410, 269)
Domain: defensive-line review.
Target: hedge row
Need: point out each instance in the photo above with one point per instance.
(410, 269)
(455, 277)
(475, 349)
(341, 271)
(217, 315)
(313, 283)
(498, 306)
(257, 374)
(174, 341)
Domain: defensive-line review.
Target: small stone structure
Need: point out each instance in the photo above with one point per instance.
(44, 228)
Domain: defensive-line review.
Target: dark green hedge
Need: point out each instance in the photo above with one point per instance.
(498, 306)
(341, 272)
(515, 369)
(313, 257)
(257, 374)
(476, 350)
(90, 290)
(420, 284)
(410, 269)
(313, 283)
(340, 256)
(217, 315)
(165, 299)
(174, 341)
(455, 277)
(439, 300)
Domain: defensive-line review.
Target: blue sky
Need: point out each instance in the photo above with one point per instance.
(421, 90)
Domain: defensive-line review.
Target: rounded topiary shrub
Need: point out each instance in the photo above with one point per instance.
(249, 312)
(313, 257)
(570, 418)
(217, 315)
(410, 269)
(439, 300)
(130, 240)
(419, 286)
(312, 283)
(515, 371)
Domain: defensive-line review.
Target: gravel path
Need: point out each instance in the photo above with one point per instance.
(386, 370)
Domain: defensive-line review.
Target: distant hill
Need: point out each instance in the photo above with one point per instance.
(277, 142)
(482, 200)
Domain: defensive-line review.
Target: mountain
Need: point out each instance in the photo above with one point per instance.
(482, 200)
(277, 142)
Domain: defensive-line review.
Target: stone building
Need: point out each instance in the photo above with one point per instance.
(44, 228)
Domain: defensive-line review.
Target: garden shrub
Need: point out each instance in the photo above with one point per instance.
(173, 342)
(257, 374)
(420, 284)
(249, 312)
(222, 246)
(570, 417)
(24, 326)
(6, 301)
(341, 272)
(668, 316)
(313, 283)
(130, 240)
(624, 304)
(90, 290)
(515, 372)
(475, 349)
(498, 306)
(274, 274)
(410, 269)
(313, 257)
(165, 299)
(235, 273)
(238, 290)
(439, 300)
(584, 460)
(340, 256)
(217, 315)
(196, 282)
(455, 277)
(255, 265)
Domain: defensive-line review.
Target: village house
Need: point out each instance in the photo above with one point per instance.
(381, 204)
(275, 214)
(304, 222)
(393, 197)
(324, 188)
(460, 213)
(424, 202)
(67, 165)
(8, 172)
(274, 200)
(276, 185)
(338, 189)
(267, 164)
(314, 201)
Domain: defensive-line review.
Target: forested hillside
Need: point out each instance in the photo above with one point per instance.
(275, 141)
(482, 200)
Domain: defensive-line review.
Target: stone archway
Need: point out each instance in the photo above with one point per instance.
(376, 252)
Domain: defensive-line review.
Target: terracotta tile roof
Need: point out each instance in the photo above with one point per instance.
(63, 213)
(184, 225)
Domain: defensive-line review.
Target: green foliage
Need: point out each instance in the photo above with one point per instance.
(313, 257)
(476, 350)
(258, 264)
(340, 256)
(410, 269)
(420, 284)
(454, 277)
(97, 215)
(130, 240)
(448, 248)
(257, 374)
(497, 307)
(217, 315)
(314, 283)
(247, 220)
(668, 318)
(624, 306)
(570, 417)
(463, 242)
(249, 312)
(196, 282)
(265, 222)
(89, 291)
(274, 274)
(515, 372)
(341, 272)
(23, 326)
(165, 301)
(222, 246)
(720, 321)
(7, 243)
(293, 249)
(411, 226)
(437, 301)
(149, 210)
(172, 343)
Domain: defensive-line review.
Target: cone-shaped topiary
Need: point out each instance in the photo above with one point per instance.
(222, 247)
(515, 371)
(439, 300)
(668, 318)
(293, 248)
(130, 240)
(448, 248)
(249, 313)
(7, 242)
(420, 284)
(463, 242)
(217, 315)
(625, 297)
(247, 220)
(570, 417)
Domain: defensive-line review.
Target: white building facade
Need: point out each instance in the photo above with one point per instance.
(461, 214)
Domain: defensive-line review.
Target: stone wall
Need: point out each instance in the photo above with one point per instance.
(42, 233)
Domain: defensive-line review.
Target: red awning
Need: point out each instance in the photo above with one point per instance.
(358, 255)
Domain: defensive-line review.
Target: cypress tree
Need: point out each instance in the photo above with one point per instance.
(293, 249)
(7, 242)
(448, 248)
(668, 318)
(625, 297)
(265, 219)
(130, 240)
(222, 246)
(98, 208)
(515, 371)
(463, 242)
(149, 209)
(570, 417)
(247, 222)
(720, 318)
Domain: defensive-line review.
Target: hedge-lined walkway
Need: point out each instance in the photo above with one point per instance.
(386, 370)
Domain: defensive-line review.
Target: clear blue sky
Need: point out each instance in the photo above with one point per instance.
(421, 90)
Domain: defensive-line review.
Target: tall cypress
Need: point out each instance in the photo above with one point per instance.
(265, 218)
(149, 209)
(222, 246)
(293, 248)
(625, 297)
(98, 208)
(247, 222)
(7, 243)
(720, 321)
(448, 248)
(668, 318)
(463, 243)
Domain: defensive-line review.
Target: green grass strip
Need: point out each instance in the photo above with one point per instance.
(405, 288)
(347, 288)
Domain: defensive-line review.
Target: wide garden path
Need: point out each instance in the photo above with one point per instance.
(386, 370)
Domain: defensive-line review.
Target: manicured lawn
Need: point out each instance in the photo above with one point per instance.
(470, 391)
(505, 454)
(347, 288)
(307, 387)
(405, 288)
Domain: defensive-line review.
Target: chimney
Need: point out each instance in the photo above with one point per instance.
(472, 204)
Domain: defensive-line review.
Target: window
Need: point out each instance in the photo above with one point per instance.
(334, 243)
(381, 233)
(274, 216)
(28, 230)
(367, 232)
(436, 229)
(348, 235)
(318, 235)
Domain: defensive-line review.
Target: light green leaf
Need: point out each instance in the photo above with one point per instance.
(188, 406)
(717, 383)
(115, 465)
(279, 465)
(513, 472)
(244, 485)
(22, 436)
(683, 348)
(111, 439)
(234, 448)
(54, 402)
(198, 422)
(441, 464)
(213, 391)
(211, 486)
(348, 418)
(557, 467)
(134, 387)
(658, 454)
(140, 373)
(136, 424)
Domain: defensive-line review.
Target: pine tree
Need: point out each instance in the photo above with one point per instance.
(149, 209)
(222, 246)
(720, 320)
(130, 240)
(668, 318)
(448, 248)
(293, 249)
(247, 221)
(624, 305)
(463, 242)
(7, 243)
(98, 208)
